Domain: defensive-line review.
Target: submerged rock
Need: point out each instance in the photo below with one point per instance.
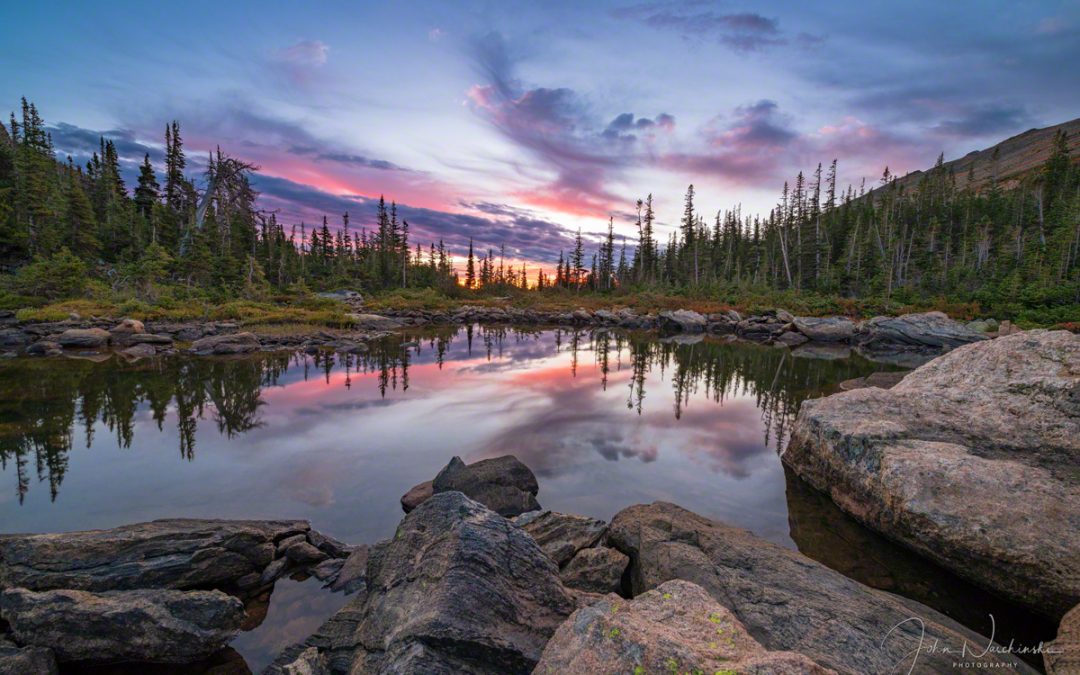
(973, 461)
(503, 484)
(785, 600)
(177, 553)
(675, 628)
(143, 625)
(881, 380)
(458, 589)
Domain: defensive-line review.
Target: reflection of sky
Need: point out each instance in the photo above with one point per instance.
(342, 456)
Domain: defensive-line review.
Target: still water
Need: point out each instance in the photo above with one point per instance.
(604, 419)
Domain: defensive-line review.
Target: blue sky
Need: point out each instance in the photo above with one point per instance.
(520, 122)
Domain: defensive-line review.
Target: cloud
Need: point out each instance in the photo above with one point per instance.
(525, 235)
(558, 130)
(741, 31)
(306, 54)
(81, 143)
(986, 120)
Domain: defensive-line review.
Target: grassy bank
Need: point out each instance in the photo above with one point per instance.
(305, 308)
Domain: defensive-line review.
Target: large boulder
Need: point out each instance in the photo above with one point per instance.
(128, 327)
(178, 553)
(972, 460)
(675, 628)
(683, 320)
(231, 343)
(503, 484)
(826, 329)
(787, 601)
(929, 331)
(145, 625)
(84, 338)
(458, 589)
(562, 535)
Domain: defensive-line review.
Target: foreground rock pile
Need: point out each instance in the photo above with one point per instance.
(972, 460)
(167, 591)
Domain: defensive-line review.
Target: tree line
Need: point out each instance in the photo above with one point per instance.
(60, 222)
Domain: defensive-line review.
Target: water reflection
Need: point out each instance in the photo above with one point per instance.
(44, 403)
(606, 419)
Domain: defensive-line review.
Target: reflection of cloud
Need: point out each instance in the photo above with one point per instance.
(570, 420)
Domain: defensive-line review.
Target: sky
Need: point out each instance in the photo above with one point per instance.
(519, 123)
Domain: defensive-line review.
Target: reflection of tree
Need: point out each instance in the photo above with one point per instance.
(42, 401)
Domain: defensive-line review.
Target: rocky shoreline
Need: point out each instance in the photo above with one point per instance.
(905, 340)
(461, 588)
(970, 461)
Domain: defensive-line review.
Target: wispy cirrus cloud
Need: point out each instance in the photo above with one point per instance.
(740, 31)
(558, 129)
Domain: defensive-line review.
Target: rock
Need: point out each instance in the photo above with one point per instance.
(932, 331)
(27, 661)
(232, 343)
(458, 589)
(973, 461)
(881, 380)
(288, 541)
(148, 339)
(791, 339)
(502, 484)
(141, 351)
(417, 495)
(352, 576)
(596, 570)
(676, 628)
(341, 295)
(561, 535)
(12, 338)
(303, 553)
(1007, 328)
(1062, 656)
(978, 326)
(606, 317)
(273, 571)
(84, 337)
(178, 553)
(760, 328)
(157, 625)
(44, 348)
(328, 545)
(829, 351)
(128, 327)
(327, 569)
(784, 316)
(825, 329)
(682, 320)
(785, 600)
(374, 321)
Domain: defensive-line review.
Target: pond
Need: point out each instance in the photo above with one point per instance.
(605, 419)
